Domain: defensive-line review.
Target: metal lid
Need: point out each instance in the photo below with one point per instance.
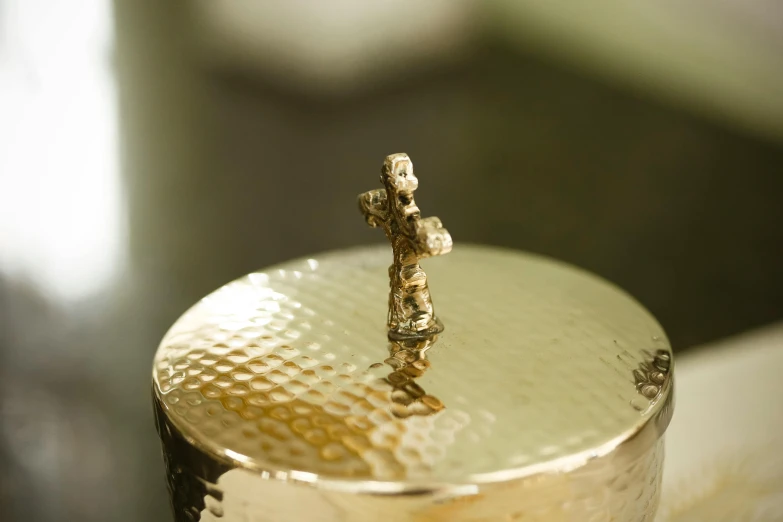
(545, 395)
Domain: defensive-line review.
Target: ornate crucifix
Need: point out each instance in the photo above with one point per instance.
(411, 314)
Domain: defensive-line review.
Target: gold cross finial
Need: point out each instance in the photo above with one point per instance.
(411, 314)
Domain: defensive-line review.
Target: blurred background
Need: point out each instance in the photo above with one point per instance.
(152, 151)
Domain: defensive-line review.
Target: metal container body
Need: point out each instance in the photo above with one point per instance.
(279, 398)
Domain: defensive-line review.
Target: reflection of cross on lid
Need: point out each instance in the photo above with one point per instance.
(409, 361)
(411, 313)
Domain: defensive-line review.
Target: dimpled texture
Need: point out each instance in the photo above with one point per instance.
(541, 368)
(601, 491)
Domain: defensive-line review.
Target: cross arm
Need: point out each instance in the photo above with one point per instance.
(374, 207)
(431, 238)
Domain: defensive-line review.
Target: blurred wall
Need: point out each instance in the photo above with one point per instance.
(230, 171)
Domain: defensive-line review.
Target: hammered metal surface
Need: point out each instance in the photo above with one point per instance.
(288, 373)
(622, 487)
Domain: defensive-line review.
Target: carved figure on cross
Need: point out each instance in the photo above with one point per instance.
(411, 313)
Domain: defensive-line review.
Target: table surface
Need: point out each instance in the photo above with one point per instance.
(721, 461)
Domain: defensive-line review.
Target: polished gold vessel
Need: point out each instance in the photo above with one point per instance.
(326, 389)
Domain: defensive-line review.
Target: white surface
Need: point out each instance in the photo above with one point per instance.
(724, 458)
(340, 45)
(62, 217)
